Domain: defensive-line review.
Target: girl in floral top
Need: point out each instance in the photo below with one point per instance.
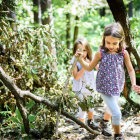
(111, 76)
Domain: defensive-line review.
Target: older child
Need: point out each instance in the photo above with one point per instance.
(111, 76)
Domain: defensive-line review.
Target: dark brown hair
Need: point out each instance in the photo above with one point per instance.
(84, 42)
(114, 30)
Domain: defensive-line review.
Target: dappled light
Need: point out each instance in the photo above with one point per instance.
(59, 63)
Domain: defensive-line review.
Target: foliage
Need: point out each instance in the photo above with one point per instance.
(135, 26)
(86, 103)
(26, 57)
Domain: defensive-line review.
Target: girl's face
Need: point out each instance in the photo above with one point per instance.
(112, 44)
(84, 50)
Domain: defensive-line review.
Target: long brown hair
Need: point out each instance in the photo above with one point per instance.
(114, 30)
(83, 41)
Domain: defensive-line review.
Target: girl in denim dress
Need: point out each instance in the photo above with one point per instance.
(83, 78)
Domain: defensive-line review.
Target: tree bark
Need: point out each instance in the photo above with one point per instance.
(46, 6)
(68, 27)
(130, 9)
(102, 12)
(37, 11)
(76, 29)
(120, 15)
(24, 115)
(20, 94)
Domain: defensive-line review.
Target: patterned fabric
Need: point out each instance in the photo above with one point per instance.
(110, 76)
(86, 79)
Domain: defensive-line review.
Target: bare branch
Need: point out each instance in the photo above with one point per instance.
(19, 94)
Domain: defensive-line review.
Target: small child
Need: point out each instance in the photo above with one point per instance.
(111, 76)
(82, 78)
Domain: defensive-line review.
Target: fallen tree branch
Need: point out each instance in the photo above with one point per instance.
(20, 94)
(24, 115)
(64, 91)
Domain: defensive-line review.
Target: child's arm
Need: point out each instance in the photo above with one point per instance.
(131, 72)
(97, 67)
(92, 65)
(136, 88)
(77, 74)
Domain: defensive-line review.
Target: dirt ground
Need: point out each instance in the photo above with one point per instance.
(129, 127)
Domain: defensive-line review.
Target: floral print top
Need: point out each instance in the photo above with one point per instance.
(111, 76)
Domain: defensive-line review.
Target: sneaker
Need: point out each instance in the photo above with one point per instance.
(118, 137)
(93, 126)
(104, 127)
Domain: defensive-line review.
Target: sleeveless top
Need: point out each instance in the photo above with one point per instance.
(86, 79)
(111, 76)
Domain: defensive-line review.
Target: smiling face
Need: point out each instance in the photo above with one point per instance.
(113, 38)
(112, 44)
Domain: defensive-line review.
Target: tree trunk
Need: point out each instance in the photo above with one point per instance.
(130, 8)
(68, 27)
(37, 11)
(120, 15)
(46, 6)
(76, 29)
(102, 12)
(68, 36)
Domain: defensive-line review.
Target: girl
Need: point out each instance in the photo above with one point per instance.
(111, 76)
(83, 78)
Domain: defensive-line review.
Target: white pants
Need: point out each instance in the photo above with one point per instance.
(84, 92)
(113, 107)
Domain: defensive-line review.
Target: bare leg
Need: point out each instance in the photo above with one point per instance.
(107, 116)
(82, 120)
(117, 128)
(90, 115)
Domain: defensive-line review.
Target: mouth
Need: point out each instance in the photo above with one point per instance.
(111, 49)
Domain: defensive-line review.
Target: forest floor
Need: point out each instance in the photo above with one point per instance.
(129, 127)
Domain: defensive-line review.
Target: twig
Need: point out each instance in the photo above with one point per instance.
(64, 91)
(18, 93)
(3, 12)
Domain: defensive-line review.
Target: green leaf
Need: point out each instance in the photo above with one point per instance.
(34, 71)
(18, 115)
(14, 119)
(138, 75)
(31, 118)
(30, 104)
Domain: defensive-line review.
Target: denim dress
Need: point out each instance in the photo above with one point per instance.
(87, 79)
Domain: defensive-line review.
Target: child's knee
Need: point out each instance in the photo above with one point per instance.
(82, 114)
(116, 118)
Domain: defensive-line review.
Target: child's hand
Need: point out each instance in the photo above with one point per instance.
(79, 54)
(136, 88)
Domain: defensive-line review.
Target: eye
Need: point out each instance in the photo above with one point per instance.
(107, 42)
(115, 43)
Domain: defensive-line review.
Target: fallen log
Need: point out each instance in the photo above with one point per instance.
(21, 94)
